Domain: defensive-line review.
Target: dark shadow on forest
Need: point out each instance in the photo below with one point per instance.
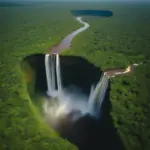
(79, 72)
(90, 134)
(75, 71)
(36, 63)
(11, 4)
(100, 13)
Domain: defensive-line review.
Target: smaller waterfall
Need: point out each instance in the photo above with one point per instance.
(97, 95)
(103, 92)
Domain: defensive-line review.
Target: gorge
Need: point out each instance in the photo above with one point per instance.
(76, 95)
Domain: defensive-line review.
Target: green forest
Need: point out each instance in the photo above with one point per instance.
(113, 42)
(27, 30)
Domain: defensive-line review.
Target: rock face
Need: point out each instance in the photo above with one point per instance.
(79, 72)
(35, 65)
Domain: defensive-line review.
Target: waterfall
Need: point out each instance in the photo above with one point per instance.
(103, 91)
(54, 84)
(58, 73)
(97, 95)
(93, 94)
(102, 94)
(52, 66)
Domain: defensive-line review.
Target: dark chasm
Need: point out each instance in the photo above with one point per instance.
(87, 133)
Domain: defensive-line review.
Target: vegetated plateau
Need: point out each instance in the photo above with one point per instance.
(113, 42)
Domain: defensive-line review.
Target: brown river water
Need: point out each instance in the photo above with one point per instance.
(66, 42)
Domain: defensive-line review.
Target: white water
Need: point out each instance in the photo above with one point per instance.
(102, 93)
(58, 73)
(64, 101)
(48, 75)
(97, 95)
(52, 65)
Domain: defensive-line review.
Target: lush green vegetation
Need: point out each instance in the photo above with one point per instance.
(130, 107)
(23, 31)
(119, 41)
(112, 42)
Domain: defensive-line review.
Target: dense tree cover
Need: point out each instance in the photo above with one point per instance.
(23, 31)
(112, 42)
(119, 41)
(131, 107)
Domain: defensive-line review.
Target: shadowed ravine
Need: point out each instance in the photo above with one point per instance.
(87, 132)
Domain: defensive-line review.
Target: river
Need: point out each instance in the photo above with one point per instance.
(66, 42)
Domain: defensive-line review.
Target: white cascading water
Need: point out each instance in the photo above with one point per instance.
(52, 69)
(48, 74)
(103, 92)
(66, 102)
(52, 65)
(58, 73)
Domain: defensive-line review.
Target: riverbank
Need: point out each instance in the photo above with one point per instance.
(111, 73)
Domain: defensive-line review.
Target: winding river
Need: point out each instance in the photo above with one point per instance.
(66, 42)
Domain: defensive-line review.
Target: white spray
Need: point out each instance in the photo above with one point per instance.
(66, 102)
(48, 74)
